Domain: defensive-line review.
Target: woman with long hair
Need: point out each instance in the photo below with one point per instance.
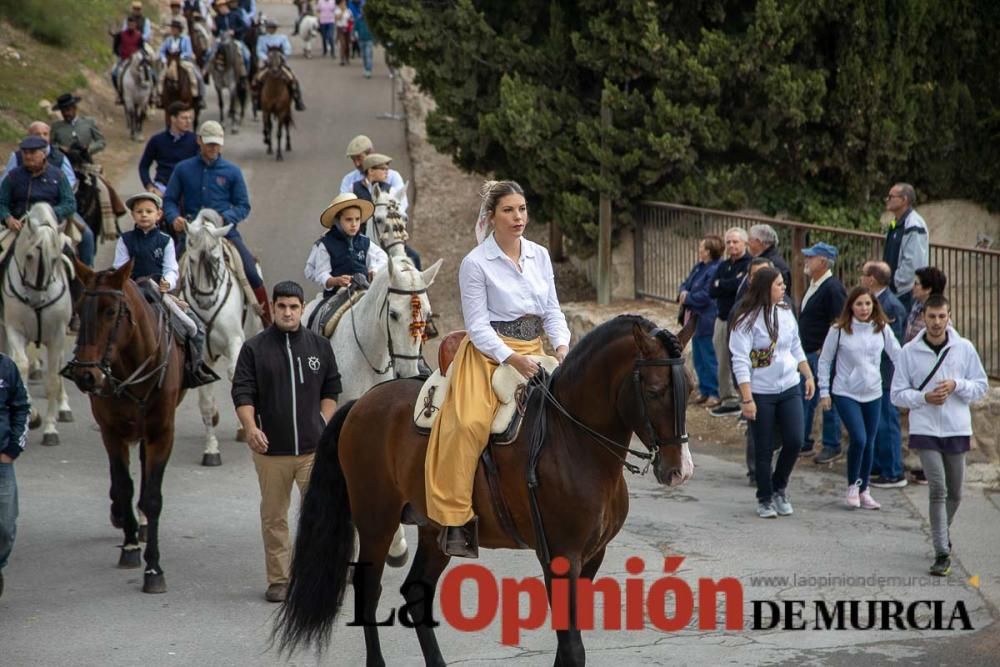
(851, 358)
(509, 298)
(767, 360)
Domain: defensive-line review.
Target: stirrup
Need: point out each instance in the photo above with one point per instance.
(460, 541)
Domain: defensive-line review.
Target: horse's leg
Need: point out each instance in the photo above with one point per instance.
(280, 125)
(17, 347)
(419, 589)
(151, 503)
(570, 650)
(367, 583)
(288, 136)
(222, 108)
(53, 388)
(267, 130)
(122, 491)
(206, 403)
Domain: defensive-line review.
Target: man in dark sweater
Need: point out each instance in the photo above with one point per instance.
(168, 147)
(723, 289)
(763, 242)
(15, 406)
(821, 305)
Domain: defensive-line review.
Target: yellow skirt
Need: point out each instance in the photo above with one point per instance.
(462, 430)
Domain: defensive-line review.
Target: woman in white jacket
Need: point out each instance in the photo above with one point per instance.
(852, 354)
(767, 359)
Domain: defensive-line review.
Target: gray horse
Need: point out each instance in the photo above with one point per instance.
(137, 90)
(225, 75)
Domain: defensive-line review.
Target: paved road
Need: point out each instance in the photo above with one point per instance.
(66, 603)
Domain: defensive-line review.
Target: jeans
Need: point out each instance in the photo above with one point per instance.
(720, 340)
(366, 55)
(831, 422)
(861, 420)
(8, 511)
(705, 365)
(889, 441)
(87, 248)
(945, 474)
(326, 33)
(776, 412)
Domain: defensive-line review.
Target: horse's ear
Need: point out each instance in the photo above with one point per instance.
(687, 333)
(431, 273)
(646, 344)
(122, 274)
(219, 232)
(83, 272)
(399, 193)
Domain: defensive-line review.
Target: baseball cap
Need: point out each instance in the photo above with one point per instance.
(822, 250)
(211, 132)
(33, 143)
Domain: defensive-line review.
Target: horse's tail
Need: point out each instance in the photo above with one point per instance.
(323, 551)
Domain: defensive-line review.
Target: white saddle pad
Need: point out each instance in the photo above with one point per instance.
(506, 384)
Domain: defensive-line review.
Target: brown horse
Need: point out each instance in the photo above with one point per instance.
(128, 361)
(624, 377)
(276, 102)
(177, 87)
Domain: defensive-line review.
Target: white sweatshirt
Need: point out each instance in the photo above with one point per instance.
(782, 374)
(859, 361)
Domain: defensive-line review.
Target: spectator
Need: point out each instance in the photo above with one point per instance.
(167, 148)
(14, 411)
(821, 305)
(342, 18)
(926, 281)
(283, 441)
(906, 243)
(938, 374)
(727, 281)
(365, 39)
(694, 299)
(887, 466)
(767, 360)
(849, 377)
(763, 242)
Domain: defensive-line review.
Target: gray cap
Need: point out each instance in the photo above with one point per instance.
(359, 145)
(211, 132)
(140, 196)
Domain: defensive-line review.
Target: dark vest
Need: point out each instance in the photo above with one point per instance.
(347, 256)
(25, 190)
(55, 158)
(146, 251)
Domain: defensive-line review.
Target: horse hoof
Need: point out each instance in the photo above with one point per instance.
(130, 559)
(35, 421)
(50, 439)
(153, 582)
(280, 158)
(397, 561)
(215, 419)
(211, 460)
(143, 533)
(35, 374)
(65, 416)
(241, 435)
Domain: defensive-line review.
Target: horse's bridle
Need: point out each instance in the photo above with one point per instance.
(384, 308)
(397, 230)
(215, 266)
(121, 388)
(37, 286)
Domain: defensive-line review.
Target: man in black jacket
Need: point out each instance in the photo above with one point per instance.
(285, 391)
(763, 242)
(15, 406)
(821, 305)
(723, 289)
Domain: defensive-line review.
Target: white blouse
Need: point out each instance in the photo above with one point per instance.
(318, 264)
(859, 361)
(494, 290)
(783, 372)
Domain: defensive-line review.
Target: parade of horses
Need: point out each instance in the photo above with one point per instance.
(453, 427)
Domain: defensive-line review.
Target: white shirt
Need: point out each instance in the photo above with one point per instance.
(395, 182)
(859, 360)
(318, 264)
(169, 272)
(494, 290)
(783, 372)
(813, 286)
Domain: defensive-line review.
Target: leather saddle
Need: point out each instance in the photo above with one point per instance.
(509, 386)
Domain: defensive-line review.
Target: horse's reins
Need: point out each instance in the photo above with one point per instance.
(384, 308)
(213, 273)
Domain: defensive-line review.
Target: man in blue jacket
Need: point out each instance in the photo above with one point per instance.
(14, 410)
(209, 181)
(694, 299)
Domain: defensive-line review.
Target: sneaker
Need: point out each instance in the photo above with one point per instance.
(725, 410)
(828, 455)
(867, 502)
(941, 566)
(276, 592)
(918, 477)
(883, 482)
(853, 499)
(782, 504)
(765, 510)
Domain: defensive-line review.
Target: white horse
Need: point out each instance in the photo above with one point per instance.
(37, 307)
(137, 91)
(215, 295)
(380, 338)
(308, 28)
(388, 223)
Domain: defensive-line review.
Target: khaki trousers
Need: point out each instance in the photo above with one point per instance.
(462, 430)
(276, 475)
(720, 341)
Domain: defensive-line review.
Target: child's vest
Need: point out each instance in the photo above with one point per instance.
(348, 255)
(146, 250)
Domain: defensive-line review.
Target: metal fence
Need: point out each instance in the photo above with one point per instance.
(666, 247)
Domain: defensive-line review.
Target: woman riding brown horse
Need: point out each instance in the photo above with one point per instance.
(128, 361)
(624, 377)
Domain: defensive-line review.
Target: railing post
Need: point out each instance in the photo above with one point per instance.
(798, 265)
(604, 214)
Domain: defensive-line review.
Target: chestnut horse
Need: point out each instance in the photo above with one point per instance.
(624, 377)
(276, 103)
(128, 361)
(177, 87)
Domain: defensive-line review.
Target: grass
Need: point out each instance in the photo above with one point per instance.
(55, 40)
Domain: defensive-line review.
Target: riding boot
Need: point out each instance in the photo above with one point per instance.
(196, 371)
(297, 96)
(460, 541)
(265, 305)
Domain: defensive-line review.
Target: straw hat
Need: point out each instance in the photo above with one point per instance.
(342, 201)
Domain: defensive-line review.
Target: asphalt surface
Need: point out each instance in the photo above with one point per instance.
(67, 604)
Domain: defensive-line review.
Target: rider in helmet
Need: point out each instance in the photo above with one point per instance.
(178, 42)
(272, 39)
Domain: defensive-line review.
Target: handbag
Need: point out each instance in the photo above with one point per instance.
(762, 357)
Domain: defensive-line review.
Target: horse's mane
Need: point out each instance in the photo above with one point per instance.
(577, 361)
